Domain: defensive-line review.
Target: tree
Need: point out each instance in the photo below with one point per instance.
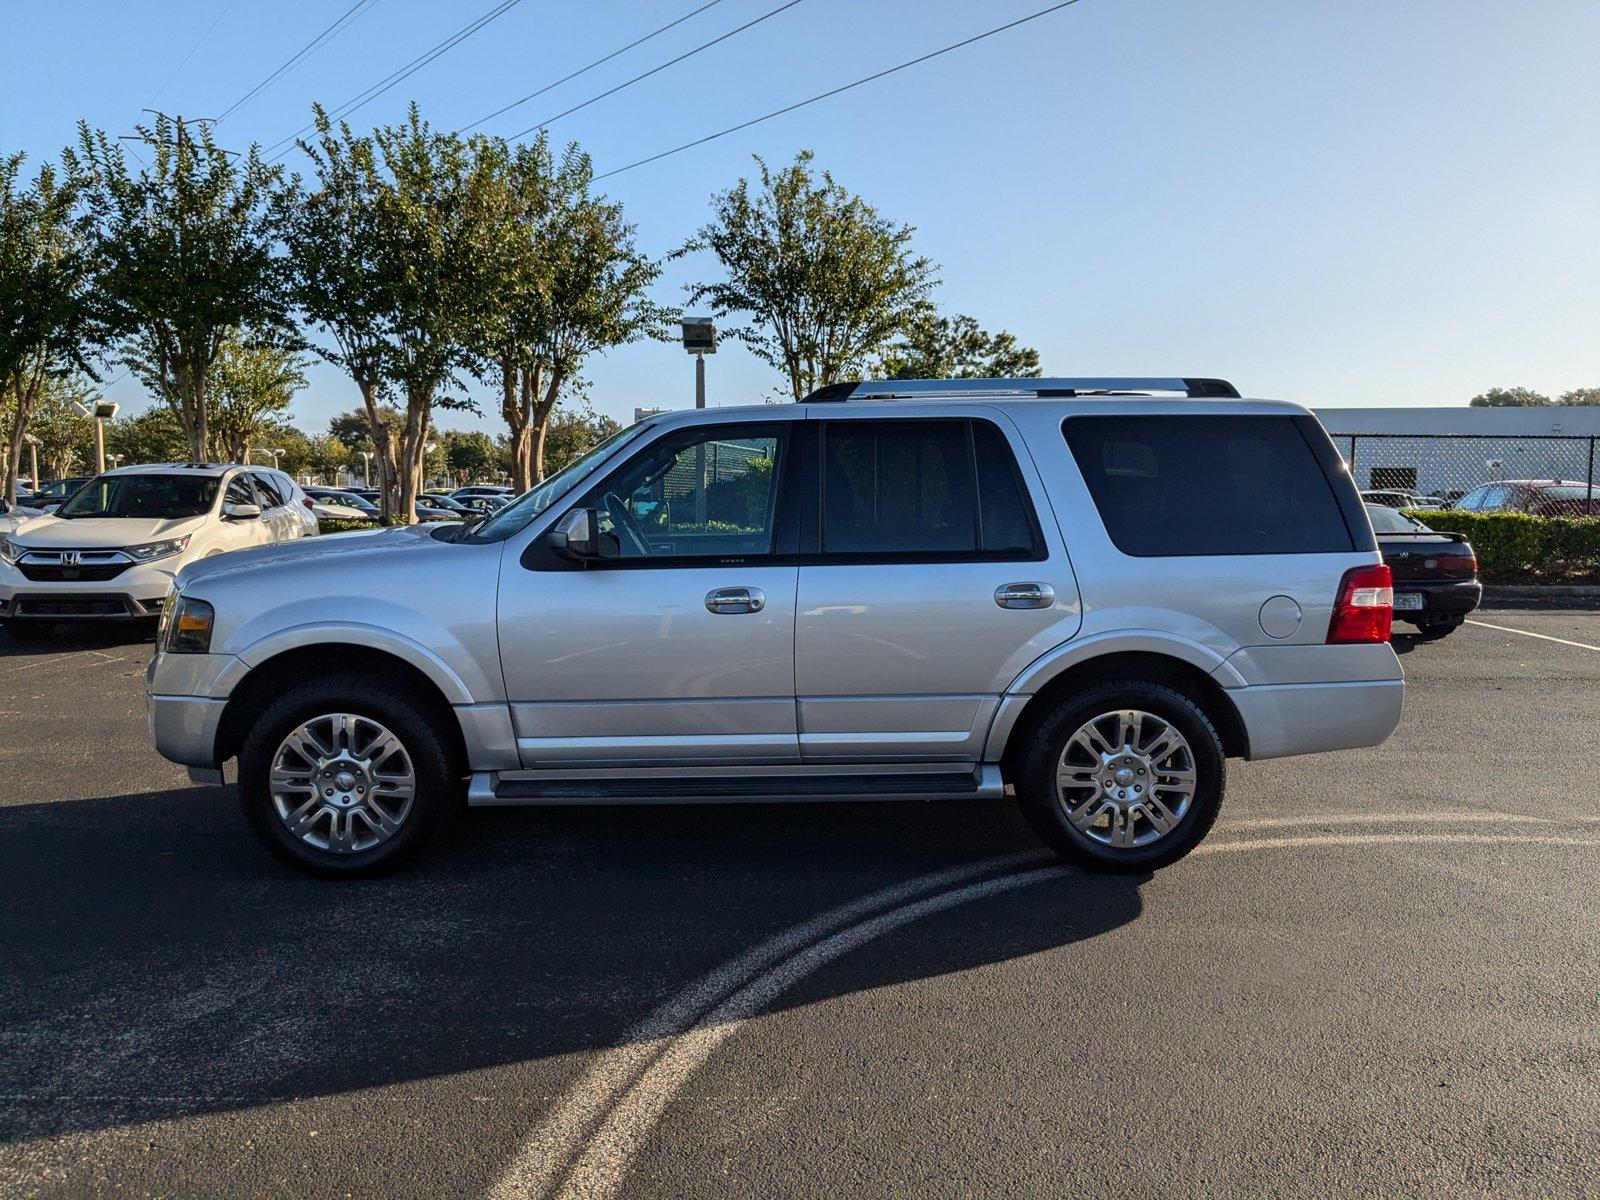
(410, 213)
(254, 386)
(571, 283)
(471, 455)
(1517, 397)
(1577, 396)
(59, 433)
(327, 457)
(46, 263)
(334, 237)
(936, 347)
(186, 254)
(573, 433)
(154, 435)
(825, 280)
(353, 429)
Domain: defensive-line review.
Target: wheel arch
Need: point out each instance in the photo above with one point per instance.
(271, 677)
(1153, 666)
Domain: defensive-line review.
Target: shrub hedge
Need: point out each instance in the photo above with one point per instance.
(331, 526)
(1517, 548)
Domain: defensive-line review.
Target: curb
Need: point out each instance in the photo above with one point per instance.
(1541, 591)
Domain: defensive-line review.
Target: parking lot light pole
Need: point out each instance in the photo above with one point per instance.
(102, 411)
(276, 455)
(366, 467)
(33, 458)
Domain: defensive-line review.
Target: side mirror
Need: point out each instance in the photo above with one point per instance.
(576, 535)
(241, 512)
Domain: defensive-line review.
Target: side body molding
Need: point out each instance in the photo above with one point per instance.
(1064, 658)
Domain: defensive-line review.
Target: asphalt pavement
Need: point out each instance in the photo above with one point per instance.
(1379, 975)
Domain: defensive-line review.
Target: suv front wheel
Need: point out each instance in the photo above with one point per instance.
(1123, 776)
(346, 776)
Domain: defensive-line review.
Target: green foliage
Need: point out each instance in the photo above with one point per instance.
(46, 311)
(937, 347)
(254, 385)
(153, 435)
(1584, 395)
(470, 455)
(345, 526)
(64, 439)
(184, 249)
(353, 429)
(824, 279)
(1519, 548)
(572, 432)
(1517, 397)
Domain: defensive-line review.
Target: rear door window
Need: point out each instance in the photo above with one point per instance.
(1206, 485)
(937, 489)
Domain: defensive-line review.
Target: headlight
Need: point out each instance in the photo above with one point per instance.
(10, 551)
(151, 551)
(186, 625)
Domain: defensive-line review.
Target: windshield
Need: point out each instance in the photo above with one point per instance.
(158, 497)
(1388, 520)
(530, 504)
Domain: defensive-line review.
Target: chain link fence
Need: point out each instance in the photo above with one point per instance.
(1445, 467)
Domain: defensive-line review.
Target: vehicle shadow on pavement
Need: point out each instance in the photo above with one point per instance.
(159, 964)
(61, 639)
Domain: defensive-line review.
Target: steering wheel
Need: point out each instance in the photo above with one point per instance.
(626, 523)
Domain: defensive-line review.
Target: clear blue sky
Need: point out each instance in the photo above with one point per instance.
(1341, 204)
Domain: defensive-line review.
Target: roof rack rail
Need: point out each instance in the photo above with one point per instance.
(908, 389)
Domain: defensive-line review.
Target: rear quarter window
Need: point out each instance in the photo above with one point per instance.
(1168, 486)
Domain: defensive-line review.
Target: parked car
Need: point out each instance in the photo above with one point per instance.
(112, 549)
(481, 489)
(1394, 498)
(57, 491)
(15, 515)
(1435, 574)
(479, 505)
(443, 501)
(868, 594)
(335, 504)
(426, 511)
(1539, 497)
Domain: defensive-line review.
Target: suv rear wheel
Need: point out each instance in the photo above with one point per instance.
(1123, 776)
(346, 776)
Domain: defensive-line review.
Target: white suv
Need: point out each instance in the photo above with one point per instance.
(113, 549)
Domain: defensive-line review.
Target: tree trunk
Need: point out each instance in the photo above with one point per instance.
(544, 410)
(516, 390)
(383, 451)
(413, 452)
(26, 384)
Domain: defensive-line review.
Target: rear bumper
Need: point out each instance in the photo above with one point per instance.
(1308, 718)
(1439, 599)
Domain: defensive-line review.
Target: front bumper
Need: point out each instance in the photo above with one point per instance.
(187, 697)
(134, 594)
(1439, 600)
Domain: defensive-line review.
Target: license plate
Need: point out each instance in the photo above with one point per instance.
(1407, 601)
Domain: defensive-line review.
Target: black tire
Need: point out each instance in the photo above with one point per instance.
(1439, 628)
(1046, 739)
(438, 773)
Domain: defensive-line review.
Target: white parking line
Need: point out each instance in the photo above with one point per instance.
(539, 1164)
(1544, 637)
(608, 1154)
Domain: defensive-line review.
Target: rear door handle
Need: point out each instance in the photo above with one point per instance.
(1024, 595)
(731, 600)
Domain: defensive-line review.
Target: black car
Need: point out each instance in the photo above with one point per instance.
(57, 492)
(1435, 574)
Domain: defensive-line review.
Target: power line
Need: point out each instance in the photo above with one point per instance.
(711, 137)
(349, 16)
(217, 20)
(654, 70)
(411, 68)
(581, 70)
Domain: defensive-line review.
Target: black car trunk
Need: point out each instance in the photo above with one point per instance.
(1427, 557)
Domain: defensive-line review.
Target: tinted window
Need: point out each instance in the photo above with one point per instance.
(164, 497)
(1006, 517)
(239, 492)
(709, 493)
(1387, 520)
(270, 489)
(897, 488)
(1182, 485)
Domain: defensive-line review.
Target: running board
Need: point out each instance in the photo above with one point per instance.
(490, 788)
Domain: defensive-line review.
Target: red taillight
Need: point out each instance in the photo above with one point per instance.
(1364, 611)
(307, 502)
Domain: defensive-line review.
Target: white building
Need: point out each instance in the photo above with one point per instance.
(1447, 451)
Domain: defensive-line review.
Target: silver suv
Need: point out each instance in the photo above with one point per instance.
(1089, 592)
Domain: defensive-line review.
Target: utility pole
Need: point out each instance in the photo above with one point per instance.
(33, 458)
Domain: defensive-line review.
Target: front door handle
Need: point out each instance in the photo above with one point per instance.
(736, 600)
(1024, 595)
